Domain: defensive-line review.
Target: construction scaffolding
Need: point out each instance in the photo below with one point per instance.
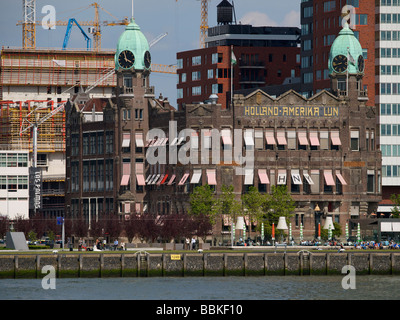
(55, 67)
(51, 133)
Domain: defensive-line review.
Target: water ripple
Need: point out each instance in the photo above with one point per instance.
(208, 288)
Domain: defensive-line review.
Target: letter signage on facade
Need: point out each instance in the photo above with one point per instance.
(292, 111)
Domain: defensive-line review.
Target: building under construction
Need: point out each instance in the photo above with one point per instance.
(43, 74)
(33, 85)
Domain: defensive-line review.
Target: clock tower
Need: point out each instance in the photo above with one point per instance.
(131, 101)
(346, 65)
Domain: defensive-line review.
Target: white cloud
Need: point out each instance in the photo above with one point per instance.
(257, 19)
(292, 19)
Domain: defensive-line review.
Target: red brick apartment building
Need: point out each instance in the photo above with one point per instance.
(264, 55)
(321, 21)
(207, 71)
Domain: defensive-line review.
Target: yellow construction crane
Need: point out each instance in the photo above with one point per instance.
(29, 24)
(29, 30)
(203, 22)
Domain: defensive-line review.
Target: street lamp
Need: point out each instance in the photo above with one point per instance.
(317, 212)
(282, 226)
(329, 226)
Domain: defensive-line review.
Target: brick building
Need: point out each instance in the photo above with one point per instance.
(321, 21)
(376, 25)
(265, 56)
(324, 148)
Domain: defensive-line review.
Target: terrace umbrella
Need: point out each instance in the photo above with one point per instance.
(290, 232)
(273, 232)
(233, 232)
(262, 233)
(301, 232)
(347, 232)
(319, 231)
(358, 233)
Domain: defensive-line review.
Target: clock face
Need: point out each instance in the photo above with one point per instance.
(147, 59)
(339, 63)
(126, 59)
(361, 64)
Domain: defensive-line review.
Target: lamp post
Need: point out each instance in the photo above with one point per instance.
(317, 216)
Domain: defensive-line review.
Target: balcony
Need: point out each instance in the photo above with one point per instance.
(251, 65)
(125, 91)
(149, 92)
(363, 95)
(252, 80)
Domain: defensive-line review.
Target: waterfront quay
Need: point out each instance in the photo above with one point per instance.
(186, 263)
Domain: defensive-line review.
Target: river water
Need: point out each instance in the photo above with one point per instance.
(368, 287)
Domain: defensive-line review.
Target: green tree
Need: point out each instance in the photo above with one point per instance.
(32, 236)
(253, 205)
(227, 204)
(203, 206)
(277, 204)
(396, 205)
(336, 233)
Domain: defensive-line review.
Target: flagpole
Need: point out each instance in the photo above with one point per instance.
(347, 72)
(231, 76)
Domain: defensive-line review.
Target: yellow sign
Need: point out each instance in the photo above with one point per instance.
(175, 257)
(354, 164)
(292, 111)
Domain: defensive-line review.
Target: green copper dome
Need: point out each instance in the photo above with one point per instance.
(347, 45)
(132, 39)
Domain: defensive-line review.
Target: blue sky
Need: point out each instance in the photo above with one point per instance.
(181, 20)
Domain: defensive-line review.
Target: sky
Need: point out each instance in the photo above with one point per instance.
(180, 19)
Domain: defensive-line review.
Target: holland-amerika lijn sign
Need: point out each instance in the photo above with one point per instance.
(291, 111)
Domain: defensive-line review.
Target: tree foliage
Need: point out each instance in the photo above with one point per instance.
(279, 203)
(396, 205)
(203, 203)
(252, 203)
(336, 233)
(227, 204)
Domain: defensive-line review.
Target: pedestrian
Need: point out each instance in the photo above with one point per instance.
(193, 243)
(187, 244)
(115, 244)
(80, 245)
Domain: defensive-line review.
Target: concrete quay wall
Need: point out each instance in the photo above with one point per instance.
(196, 264)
